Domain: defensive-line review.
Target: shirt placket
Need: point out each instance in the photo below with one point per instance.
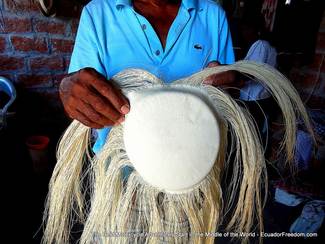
(152, 38)
(176, 29)
(157, 51)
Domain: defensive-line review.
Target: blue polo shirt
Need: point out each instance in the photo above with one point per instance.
(112, 36)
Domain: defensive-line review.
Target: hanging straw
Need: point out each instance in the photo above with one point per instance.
(119, 209)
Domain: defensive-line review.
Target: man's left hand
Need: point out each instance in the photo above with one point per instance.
(224, 79)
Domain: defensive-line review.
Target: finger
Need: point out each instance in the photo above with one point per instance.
(214, 80)
(78, 115)
(103, 87)
(98, 103)
(102, 106)
(93, 115)
(213, 64)
(223, 78)
(114, 95)
(208, 81)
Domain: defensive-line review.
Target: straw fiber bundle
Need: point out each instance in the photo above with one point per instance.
(131, 210)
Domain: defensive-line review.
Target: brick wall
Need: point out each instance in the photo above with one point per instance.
(310, 80)
(34, 50)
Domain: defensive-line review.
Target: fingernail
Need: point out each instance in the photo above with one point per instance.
(125, 109)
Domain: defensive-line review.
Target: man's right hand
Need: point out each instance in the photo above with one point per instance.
(91, 99)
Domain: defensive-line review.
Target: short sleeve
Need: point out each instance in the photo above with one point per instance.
(86, 51)
(262, 52)
(257, 52)
(226, 51)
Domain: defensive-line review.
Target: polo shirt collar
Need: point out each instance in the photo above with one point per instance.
(188, 4)
(120, 3)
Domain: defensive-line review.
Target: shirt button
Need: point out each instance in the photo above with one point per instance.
(144, 27)
(157, 52)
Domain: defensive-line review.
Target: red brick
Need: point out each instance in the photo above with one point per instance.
(16, 25)
(3, 44)
(49, 27)
(21, 5)
(74, 26)
(27, 44)
(50, 63)
(11, 63)
(34, 80)
(62, 46)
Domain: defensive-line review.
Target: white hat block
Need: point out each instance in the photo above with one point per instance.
(171, 136)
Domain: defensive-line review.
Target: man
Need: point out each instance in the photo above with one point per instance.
(170, 38)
